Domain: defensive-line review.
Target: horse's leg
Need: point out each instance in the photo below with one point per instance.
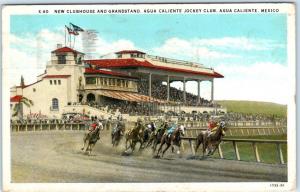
(91, 148)
(198, 143)
(216, 146)
(133, 144)
(126, 143)
(84, 141)
(204, 145)
(160, 147)
(168, 145)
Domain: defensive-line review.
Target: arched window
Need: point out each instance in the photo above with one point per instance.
(55, 104)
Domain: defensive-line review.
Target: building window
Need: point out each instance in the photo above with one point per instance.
(58, 81)
(50, 82)
(54, 82)
(90, 80)
(118, 82)
(33, 89)
(126, 83)
(61, 59)
(54, 104)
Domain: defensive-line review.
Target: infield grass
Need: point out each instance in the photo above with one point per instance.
(254, 107)
(267, 152)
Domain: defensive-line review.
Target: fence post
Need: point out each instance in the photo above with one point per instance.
(220, 151)
(256, 151)
(236, 149)
(280, 153)
(192, 147)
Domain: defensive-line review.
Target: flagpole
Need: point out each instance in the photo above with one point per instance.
(65, 37)
(74, 41)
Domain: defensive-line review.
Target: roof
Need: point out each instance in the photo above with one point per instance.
(105, 72)
(16, 98)
(129, 51)
(56, 76)
(129, 96)
(123, 63)
(65, 50)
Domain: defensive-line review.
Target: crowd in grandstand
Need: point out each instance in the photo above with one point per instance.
(159, 90)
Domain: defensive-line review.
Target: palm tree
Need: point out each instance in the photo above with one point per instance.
(18, 108)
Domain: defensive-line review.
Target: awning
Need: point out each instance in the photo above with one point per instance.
(129, 96)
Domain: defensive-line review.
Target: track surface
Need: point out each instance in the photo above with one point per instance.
(56, 157)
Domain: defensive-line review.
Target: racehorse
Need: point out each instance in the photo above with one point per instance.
(148, 135)
(91, 138)
(156, 138)
(173, 139)
(210, 140)
(117, 134)
(134, 136)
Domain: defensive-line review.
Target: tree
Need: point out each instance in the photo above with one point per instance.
(18, 108)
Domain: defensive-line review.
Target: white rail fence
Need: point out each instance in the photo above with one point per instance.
(190, 135)
(253, 142)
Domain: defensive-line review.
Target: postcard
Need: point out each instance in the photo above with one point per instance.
(149, 97)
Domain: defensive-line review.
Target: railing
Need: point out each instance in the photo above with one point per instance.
(16, 127)
(254, 142)
(200, 124)
(242, 131)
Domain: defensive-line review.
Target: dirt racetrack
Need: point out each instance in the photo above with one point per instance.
(55, 156)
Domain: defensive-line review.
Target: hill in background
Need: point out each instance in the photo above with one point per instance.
(254, 107)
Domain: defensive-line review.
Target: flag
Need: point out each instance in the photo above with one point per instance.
(76, 28)
(71, 31)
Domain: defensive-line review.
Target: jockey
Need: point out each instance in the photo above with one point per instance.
(152, 126)
(164, 125)
(171, 130)
(139, 123)
(117, 128)
(212, 126)
(93, 126)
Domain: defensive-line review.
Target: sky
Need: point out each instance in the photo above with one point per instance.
(250, 50)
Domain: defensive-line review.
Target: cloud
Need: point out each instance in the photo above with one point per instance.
(240, 43)
(29, 54)
(263, 81)
(181, 48)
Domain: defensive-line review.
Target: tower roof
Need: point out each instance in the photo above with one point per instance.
(65, 50)
(129, 51)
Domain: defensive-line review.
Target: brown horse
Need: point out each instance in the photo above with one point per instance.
(210, 141)
(90, 139)
(133, 136)
(173, 139)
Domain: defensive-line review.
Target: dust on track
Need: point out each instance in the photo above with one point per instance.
(55, 156)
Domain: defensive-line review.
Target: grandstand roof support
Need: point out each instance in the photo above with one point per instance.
(150, 82)
(168, 88)
(212, 90)
(199, 98)
(184, 93)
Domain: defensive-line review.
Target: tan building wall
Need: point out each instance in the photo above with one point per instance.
(42, 94)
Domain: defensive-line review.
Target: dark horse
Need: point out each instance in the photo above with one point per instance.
(155, 139)
(90, 139)
(173, 139)
(148, 135)
(134, 136)
(117, 133)
(211, 141)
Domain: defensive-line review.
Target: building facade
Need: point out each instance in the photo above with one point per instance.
(72, 84)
